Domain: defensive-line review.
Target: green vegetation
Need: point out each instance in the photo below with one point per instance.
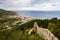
(18, 32)
(4, 13)
(52, 24)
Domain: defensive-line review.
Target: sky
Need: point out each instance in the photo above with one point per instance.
(38, 5)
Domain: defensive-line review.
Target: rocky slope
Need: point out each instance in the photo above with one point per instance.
(44, 33)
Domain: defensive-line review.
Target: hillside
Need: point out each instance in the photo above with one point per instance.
(5, 13)
(16, 27)
(10, 27)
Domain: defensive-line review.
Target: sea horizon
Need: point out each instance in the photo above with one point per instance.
(40, 14)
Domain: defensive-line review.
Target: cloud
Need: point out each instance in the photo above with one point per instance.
(30, 4)
(43, 6)
(14, 4)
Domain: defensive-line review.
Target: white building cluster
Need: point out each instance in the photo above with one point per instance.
(21, 17)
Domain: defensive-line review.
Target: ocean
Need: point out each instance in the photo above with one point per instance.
(40, 14)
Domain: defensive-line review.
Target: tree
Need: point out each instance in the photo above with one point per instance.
(53, 20)
(51, 27)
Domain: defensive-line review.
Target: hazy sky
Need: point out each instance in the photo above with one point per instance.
(44, 5)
